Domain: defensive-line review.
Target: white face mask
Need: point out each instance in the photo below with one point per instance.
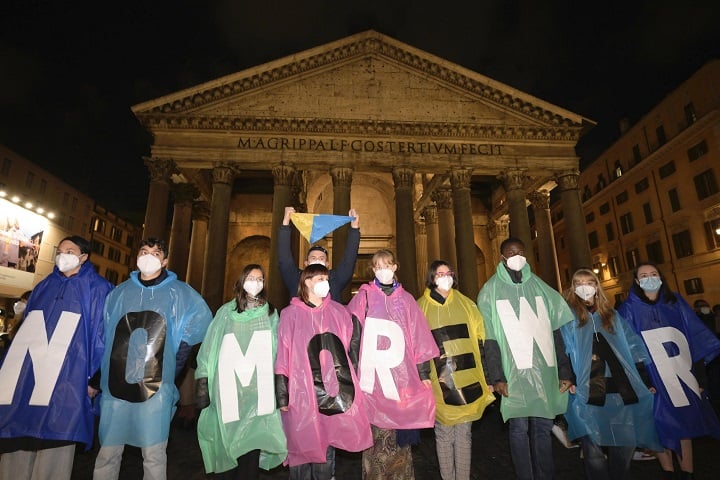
(66, 262)
(444, 283)
(384, 276)
(516, 262)
(148, 264)
(253, 287)
(316, 262)
(322, 288)
(19, 307)
(586, 292)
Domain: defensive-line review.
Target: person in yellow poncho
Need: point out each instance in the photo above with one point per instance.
(458, 381)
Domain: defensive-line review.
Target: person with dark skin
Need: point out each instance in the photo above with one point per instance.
(525, 357)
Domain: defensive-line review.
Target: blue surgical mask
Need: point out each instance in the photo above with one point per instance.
(650, 284)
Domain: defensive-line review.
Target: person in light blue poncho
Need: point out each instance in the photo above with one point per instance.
(611, 405)
(151, 322)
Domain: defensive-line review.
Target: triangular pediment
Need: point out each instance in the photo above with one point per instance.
(366, 82)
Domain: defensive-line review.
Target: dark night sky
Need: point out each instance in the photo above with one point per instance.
(70, 71)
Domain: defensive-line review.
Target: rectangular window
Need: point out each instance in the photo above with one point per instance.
(590, 217)
(621, 197)
(6, 165)
(697, 151)
(130, 241)
(610, 232)
(654, 252)
(99, 225)
(43, 186)
(712, 234)
(690, 115)
(636, 154)
(114, 254)
(705, 184)
(626, 223)
(73, 205)
(29, 180)
(604, 208)
(693, 286)
(613, 266)
(97, 247)
(593, 239)
(633, 258)
(642, 185)
(667, 169)
(116, 233)
(674, 199)
(683, 244)
(647, 211)
(661, 137)
(112, 276)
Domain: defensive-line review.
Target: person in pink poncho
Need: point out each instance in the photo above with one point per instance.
(395, 355)
(317, 389)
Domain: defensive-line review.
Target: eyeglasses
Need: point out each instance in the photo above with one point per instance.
(445, 274)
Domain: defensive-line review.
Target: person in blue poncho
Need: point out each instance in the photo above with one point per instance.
(526, 360)
(610, 408)
(680, 346)
(46, 377)
(151, 322)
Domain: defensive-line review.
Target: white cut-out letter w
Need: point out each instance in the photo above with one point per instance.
(523, 330)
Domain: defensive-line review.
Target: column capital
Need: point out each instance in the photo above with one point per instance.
(420, 228)
(224, 172)
(341, 176)
(568, 180)
(201, 211)
(430, 214)
(540, 199)
(513, 179)
(184, 192)
(443, 198)
(460, 178)
(499, 229)
(160, 168)
(284, 174)
(404, 177)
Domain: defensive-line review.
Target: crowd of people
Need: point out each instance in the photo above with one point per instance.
(291, 386)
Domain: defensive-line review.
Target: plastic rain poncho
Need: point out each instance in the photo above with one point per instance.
(325, 402)
(395, 339)
(461, 392)
(44, 375)
(143, 330)
(237, 357)
(611, 403)
(521, 317)
(676, 338)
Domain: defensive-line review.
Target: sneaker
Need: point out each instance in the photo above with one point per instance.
(640, 455)
(562, 437)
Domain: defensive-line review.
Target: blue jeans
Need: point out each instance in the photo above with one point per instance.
(616, 466)
(531, 447)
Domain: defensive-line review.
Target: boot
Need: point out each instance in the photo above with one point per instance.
(669, 475)
(686, 475)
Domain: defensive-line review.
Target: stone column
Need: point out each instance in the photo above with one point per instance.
(213, 284)
(514, 183)
(404, 179)
(446, 225)
(198, 241)
(464, 239)
(158, 196)
(341, 180)
(574, 219)
(421, 249)
(183, 195)
(431, 227)
(546, 239)
(283, 180)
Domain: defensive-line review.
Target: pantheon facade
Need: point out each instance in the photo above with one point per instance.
(440, 162)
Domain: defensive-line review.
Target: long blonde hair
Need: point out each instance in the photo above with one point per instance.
(579, 307)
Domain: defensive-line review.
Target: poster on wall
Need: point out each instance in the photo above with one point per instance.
(21, 234)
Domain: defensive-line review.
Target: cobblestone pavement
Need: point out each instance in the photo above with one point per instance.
(491, 458)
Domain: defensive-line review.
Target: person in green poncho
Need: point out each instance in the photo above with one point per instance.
(240, 427)
(526, 357)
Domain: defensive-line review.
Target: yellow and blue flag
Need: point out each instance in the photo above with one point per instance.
(315, 226)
